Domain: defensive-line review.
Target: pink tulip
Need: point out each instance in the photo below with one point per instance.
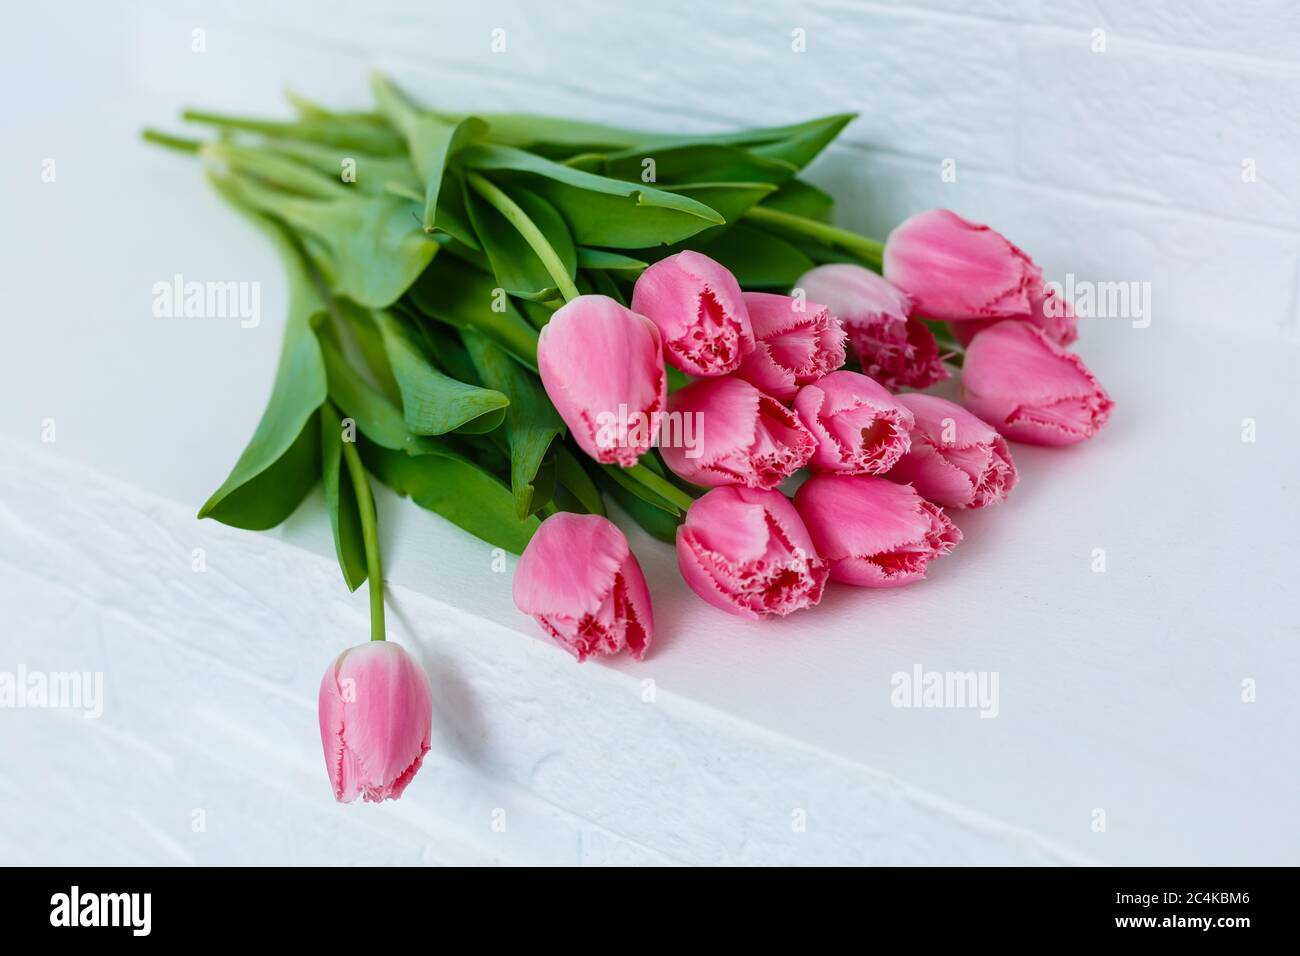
(603, 369)
(795, 343)
(745, 551)
(956, 460)
(697, 305)
(873, 532)
(1030, 389)
(955, 269)
(582, 583)
(1047, 310)
(742, 437)
(376, 712)
(860, 428)
(894, 349)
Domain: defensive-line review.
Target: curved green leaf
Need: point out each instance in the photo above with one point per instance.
(514, 262)
(456, 489)
(531, 421)
(434, 403)
(341, 501)
(459, 295)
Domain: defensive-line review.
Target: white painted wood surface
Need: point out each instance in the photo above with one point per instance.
(1119, 691)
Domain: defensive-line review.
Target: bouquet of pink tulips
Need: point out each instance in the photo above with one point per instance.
(516, 320)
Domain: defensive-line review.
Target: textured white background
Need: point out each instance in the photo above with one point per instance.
(1119, 691)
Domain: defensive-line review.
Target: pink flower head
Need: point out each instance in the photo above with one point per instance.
(873, 532)
(956, 460)
(955, 269)
(1047, 310)
(860, 428)
(796, 342)
(1030, 389)
(582, 583)
(744, 550)
(376, 712)
(603, 370)
(894, 349)
(697, 305)
(741, 436)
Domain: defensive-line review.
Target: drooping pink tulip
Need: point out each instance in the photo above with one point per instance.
(376, 713)
(603, 369)
(892, 347)
(873, 533)
(746, 551)
(1030, 389)
(741, 436)
(860, 428)
(795, 342)
(581, 582)
(955, 269)
(697, 305)
(1047, 310)
(956, 460)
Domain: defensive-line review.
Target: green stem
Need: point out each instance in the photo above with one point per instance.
(180, 143)
(369, 535)
(660, 486)
(861, 246)
(528, 229)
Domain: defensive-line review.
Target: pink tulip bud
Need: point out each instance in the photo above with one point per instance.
(955, 269)
(742, 437)
(376, 712)
(956, 460)
(859, 427)
(697, 305)
(582, 583)
(1047, 310)
(603, 369)
(873, 532)
(795, 342)
(894, 349)
(1030, 389)
(745, 551)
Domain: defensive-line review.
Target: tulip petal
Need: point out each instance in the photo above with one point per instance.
(697, 305)
(796, 343)
(859, 427)
(956, 460)
(871, 531)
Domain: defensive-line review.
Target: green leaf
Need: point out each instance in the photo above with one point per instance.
(516, 266)
(802, 199)
(281, 462)
(370, 247)
(548, 134)
(335, 130)
(458, 490)
(573, 476)
(698, 163)
(369, 174)
(460, 295)
(431, 141)
(531, 421)
(608, 261)
(729, 199)
(434, 403)
(655, 521)
(341, 502)
(758, 258)
(805, 142)
(376, 417)
(600, 211)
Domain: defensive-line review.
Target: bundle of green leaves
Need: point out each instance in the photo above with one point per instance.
(425, 250)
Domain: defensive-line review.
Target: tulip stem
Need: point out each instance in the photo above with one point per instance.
(660, 486)
(528, 229)
(370, 537)
(864, 248)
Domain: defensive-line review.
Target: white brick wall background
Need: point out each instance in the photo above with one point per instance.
(1117, 165)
